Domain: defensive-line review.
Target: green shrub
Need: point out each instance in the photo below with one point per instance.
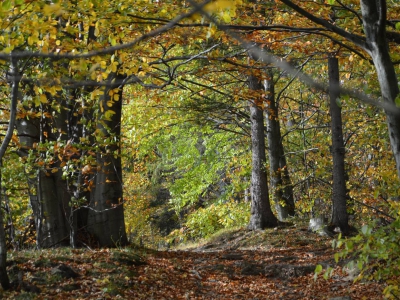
(376, 253)
(205, 221)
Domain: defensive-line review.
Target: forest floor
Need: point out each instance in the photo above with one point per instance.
(272, 264)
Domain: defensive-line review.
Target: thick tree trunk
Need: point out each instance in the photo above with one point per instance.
(49, 192)
(339, 196)
(53, 228)
(374, 21)
(106, 216)
(279, 176)
(261, 214)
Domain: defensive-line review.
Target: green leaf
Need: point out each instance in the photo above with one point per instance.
(397, 100)
(398, 25)
(6, 5)
(331, 2)
(328, 273)
(338, 102)
(318, 269)
(336, 256)
(365, 229)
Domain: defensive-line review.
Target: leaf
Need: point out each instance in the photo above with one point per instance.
(6, 5)
(331, 2)
(397, 100)
(52, 9)
(336, 256)
(398, 26)
(43, 98)
(338, 102)
(318, 269)
(365, 229)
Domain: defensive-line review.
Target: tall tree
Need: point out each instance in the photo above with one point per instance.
(339, 195)
(279, 174)
(106, 214)
(261, 214)
(14, 80)
(376, 44)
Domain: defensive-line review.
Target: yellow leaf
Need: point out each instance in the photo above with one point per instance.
(226, 17)
(43, 98)
(52, 9)
(96, 29)
(114, 67)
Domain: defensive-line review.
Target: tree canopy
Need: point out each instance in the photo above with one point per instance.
(156, 122)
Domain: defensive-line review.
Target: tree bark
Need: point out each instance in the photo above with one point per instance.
(14, 80)
(376, 44)
(374, 21)
(49, 196)
(261, 214)
(106, 216)
(281, 186)
(4, 280)
(339, 196)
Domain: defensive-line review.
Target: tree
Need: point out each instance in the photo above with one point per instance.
(106, 214)
(14, 81)
(339, 195)
(279, 174)
(376, 45)
(72, 141)
(261, 214)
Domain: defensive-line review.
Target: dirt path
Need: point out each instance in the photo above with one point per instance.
(272, 264)
(240, 274)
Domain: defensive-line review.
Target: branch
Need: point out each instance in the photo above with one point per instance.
(109, 50)
(356, 39)
(258, 53)
(351, 10)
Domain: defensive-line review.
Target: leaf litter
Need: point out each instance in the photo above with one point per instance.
(272, 264)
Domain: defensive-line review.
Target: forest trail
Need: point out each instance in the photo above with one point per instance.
(229, 268)
(272, 264)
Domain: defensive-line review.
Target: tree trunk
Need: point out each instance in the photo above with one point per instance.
(374, 21)
(49, 196)
(14, 81)
(280, 181)
(339, 196)
(261, 214)
(54, 230)
(4, 280)
(106, 216)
